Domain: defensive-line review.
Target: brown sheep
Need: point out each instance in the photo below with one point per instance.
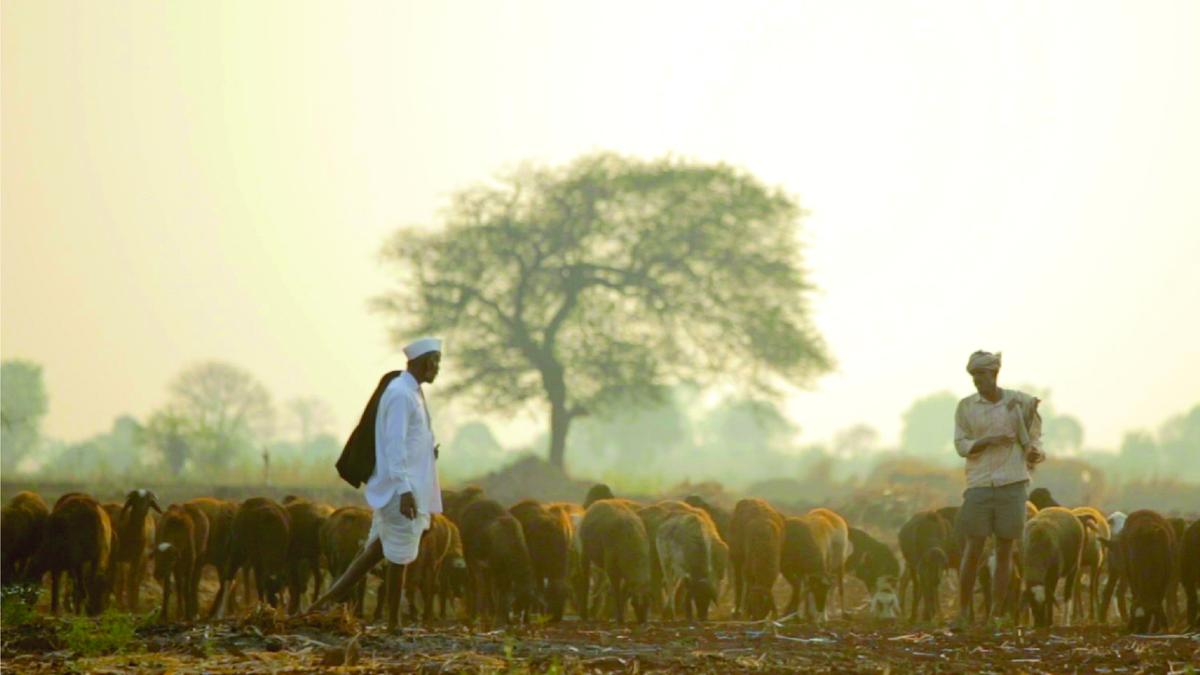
(180, 539)
(218, 513)
(839, 549)
(1051, 549)
(808, 563)
(454, 502)
(22, 524)
(424, 573)
(498, 560)
(929, 546)
(693, 559)
(1189, 566)
(342, 536)
(78, 540)
(744, 512)
(573, 513)
(1096, 530)
(453, 578)
(762, 542)
(548, 535)
(613, 538)
(1146, 547)
(259, 540)
(596, 493)
(720, 517)
(135, 546)
(304, 548)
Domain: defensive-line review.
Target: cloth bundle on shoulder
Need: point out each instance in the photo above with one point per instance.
(357, 461)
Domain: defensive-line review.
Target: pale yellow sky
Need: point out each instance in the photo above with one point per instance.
(185, 181)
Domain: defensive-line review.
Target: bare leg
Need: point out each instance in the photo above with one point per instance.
(966, 578)
(395, 584)
(1003, 575)
(368, 558)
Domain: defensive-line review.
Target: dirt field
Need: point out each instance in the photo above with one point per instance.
(262, 643)
(259, 640)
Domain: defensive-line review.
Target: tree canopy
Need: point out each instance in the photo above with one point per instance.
(608, 279)
(23, 404)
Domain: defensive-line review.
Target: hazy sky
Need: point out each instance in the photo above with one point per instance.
(195, 180)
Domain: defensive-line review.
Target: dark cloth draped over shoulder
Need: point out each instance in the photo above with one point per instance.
(357, 461)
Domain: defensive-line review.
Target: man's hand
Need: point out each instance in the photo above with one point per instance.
(408, 506)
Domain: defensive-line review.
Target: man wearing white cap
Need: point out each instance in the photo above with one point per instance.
(403, 489)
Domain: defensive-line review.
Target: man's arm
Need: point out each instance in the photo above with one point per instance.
(395, 447)
(966, 446)
(1035, 454)
(963, 443)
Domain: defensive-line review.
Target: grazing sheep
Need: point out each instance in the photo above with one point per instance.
(808, 563)
(304, 547)
(342, 537)
(498, 560)
(929, 546)
(180, 539)
(1096, 529)
(885, 604)
(452, 578)
(1189, 568)
(454, 502)
(22, 524)
(762, 544)
(745, 512)
(1040, 497)
(218, 513)
(1052, 547)
(652, 517)
(839, 549)
(259, 540)
(596, 493)
(871, 560)
(1115, 583)
(720, 517)
(78, 541)
(693, 559)
(1146, 546)
(134, 528)
(548, 534)
(613, 537)
(422, 575)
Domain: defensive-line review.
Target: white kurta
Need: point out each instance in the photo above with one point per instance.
(404, 462)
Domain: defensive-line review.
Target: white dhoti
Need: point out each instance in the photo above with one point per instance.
(401, 537)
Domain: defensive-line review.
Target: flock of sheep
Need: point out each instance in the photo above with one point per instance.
(668, 558)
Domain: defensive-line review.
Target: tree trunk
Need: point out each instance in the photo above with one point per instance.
(560, 420)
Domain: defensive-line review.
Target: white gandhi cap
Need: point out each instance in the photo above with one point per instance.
(422, 346)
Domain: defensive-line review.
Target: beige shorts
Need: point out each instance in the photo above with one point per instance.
(400, 535)
(998, 511)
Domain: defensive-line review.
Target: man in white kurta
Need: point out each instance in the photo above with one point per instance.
(403, 488)
(404, 465)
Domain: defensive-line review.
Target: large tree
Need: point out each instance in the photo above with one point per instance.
(22, 406)
(221, 409)
(606, 279)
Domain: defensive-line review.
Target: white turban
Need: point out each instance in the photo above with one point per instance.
(982, 360)
(422, 347)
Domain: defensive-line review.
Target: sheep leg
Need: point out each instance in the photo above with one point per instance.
(617, 591)
(166, 598)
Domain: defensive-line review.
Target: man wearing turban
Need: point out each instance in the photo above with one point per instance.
(999, 433)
